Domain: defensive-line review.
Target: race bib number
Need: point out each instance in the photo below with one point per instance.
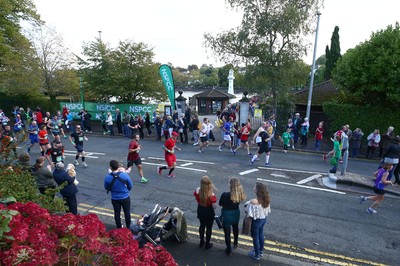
(59, 158)
(55, 127)
(80, 138)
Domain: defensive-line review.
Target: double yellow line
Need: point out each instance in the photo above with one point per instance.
(246, 241)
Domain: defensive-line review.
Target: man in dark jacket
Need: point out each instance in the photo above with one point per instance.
(69, 191)
(118, 120)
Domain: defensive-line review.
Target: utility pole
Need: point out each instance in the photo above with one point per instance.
(310, 91)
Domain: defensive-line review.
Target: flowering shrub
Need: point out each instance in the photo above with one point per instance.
(35, 237)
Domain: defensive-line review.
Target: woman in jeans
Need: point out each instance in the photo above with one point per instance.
(258, 208)
(230, 212)
(205, 210)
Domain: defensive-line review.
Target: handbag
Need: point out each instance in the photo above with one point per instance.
(219, 221)
(246, 226)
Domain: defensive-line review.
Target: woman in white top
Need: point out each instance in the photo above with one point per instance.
(258, 208)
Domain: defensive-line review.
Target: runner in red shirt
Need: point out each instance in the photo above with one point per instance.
(244, 137)
(43, 139)
(133, 156)
(169, 148)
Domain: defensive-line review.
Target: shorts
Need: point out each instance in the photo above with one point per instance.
(227, 138)
(203, 139)
(379, 191)
(34, 139)
(170, 159)
(56, 133)
(43, 144)
(243, 141)
(263, 149)
(79, 148)
(135, 162)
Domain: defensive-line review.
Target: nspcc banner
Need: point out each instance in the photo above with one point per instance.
(168, 80)
(95, 109)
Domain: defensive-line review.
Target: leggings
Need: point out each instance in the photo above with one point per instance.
(227, 232)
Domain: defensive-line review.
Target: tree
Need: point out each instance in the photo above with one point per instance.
(333, 54)
(17, 63)
(369, 73)
(55, 63)
(127, 72)
(268, 40)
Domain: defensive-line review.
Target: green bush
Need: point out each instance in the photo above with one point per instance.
(22, 186)
(366, 118)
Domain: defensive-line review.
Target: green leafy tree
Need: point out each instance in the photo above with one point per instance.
(17, 63)
(268, 40)
(368, 73)
(333, 54)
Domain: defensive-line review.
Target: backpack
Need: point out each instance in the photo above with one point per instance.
(115, 177)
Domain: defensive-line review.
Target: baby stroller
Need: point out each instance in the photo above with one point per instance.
(176, 227)
(145, 229)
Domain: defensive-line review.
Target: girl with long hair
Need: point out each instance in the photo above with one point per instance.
(230, 212)
(205, 210)
(258, 208)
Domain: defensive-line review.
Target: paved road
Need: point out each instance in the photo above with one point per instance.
(308, 222)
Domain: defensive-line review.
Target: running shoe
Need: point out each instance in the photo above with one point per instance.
(251, 162)
(324, 158)
(370, 210)
(219, 148)
(362, 199)
(76, 163)
(234, 152)
(250, 154)
(267, 164)
(253, 255)
(171, 176)
(159, 170)
(84, 164)
(200, 151)
(128, 170)
(196, 143)
(143, 180)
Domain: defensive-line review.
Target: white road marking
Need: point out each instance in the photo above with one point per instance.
(87, 152)
(248, 171)
(87, 156)
(291, 170)
(276, 175)
(186, 164)
(180, 167)
(308, 179)
(180, 160)
(296, 185)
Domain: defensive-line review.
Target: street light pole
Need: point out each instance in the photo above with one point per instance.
(312, 71)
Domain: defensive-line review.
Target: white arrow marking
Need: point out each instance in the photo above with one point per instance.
(276, 175)
(179, 160)
(186, 164)
(248, 171)
(186, 168)
(308, 179)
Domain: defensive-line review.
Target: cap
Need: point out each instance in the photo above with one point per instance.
(297, 114)
(175, 134)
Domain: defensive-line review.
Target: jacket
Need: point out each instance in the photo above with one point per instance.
(61, 176)
(44, 178)
(119, 190)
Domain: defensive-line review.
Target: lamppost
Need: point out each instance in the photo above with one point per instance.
(312, 71)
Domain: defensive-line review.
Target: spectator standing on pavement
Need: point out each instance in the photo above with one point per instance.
(134, 158)
(170, 157)
(77, 137)
(318, 135)
(258, 209)
(120, 185)
(103, 118)
(43, 176)
(356, 142)
(61, 176)
(158, 125)
(148, 123)
(230, 212)
(109, 122)
(286, 137)
(206, 204)
(125, 120)
(379, 187)
(194, 125)
(386, 139)
(292, 128)
(373, 143)
(141, 123)
(391, 155)
(118, 120)
(182, 128)
(296, 125)
(304, 131)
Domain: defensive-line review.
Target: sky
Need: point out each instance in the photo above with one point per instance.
(175, 28)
